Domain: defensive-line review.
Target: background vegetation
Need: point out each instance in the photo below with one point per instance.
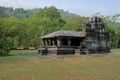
(23, 28)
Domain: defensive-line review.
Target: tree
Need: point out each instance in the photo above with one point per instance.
(49, 18)
(113, 27)
(76, 23)
(4, 42)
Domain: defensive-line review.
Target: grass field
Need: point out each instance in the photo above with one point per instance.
(86, 67)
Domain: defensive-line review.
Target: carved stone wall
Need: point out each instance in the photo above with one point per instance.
(97, 38)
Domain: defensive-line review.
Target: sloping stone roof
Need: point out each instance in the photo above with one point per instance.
(65, 33)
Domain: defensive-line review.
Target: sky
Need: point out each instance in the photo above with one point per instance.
(80, 7)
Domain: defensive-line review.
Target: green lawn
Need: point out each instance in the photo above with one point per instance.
(86, 67)
(116, 50)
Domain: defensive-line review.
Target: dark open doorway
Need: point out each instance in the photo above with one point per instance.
(64, 41)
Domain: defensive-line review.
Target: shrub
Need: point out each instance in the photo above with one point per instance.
(4, 46)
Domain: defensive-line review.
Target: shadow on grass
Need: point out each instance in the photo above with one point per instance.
(6, 55)
(20, 54)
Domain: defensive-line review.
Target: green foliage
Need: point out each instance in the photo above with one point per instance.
(76, 23)
(48, 12)
(3, 46)
(5, 12)
(49, 18)
(18, 13)
(113, 27)
(4, 42)
(22, 31)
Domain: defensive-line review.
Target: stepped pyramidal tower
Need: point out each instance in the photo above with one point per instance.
(97, 38)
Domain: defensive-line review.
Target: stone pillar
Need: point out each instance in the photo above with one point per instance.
(58, 42)
(44, 42)
(69, 42)
(53, 42)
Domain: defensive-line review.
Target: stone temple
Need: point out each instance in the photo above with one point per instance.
(92, 39)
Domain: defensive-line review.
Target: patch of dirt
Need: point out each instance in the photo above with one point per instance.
(55, 56)
(68, 56)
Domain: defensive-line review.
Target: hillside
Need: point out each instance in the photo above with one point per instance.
(21, 13)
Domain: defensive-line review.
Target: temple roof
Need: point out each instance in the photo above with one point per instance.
(65, 33)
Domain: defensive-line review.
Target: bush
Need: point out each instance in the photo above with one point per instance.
(4, 46)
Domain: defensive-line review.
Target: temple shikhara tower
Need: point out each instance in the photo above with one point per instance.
(97, 38)
(94, 38)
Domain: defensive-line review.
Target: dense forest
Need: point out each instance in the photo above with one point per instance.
(23, 28)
